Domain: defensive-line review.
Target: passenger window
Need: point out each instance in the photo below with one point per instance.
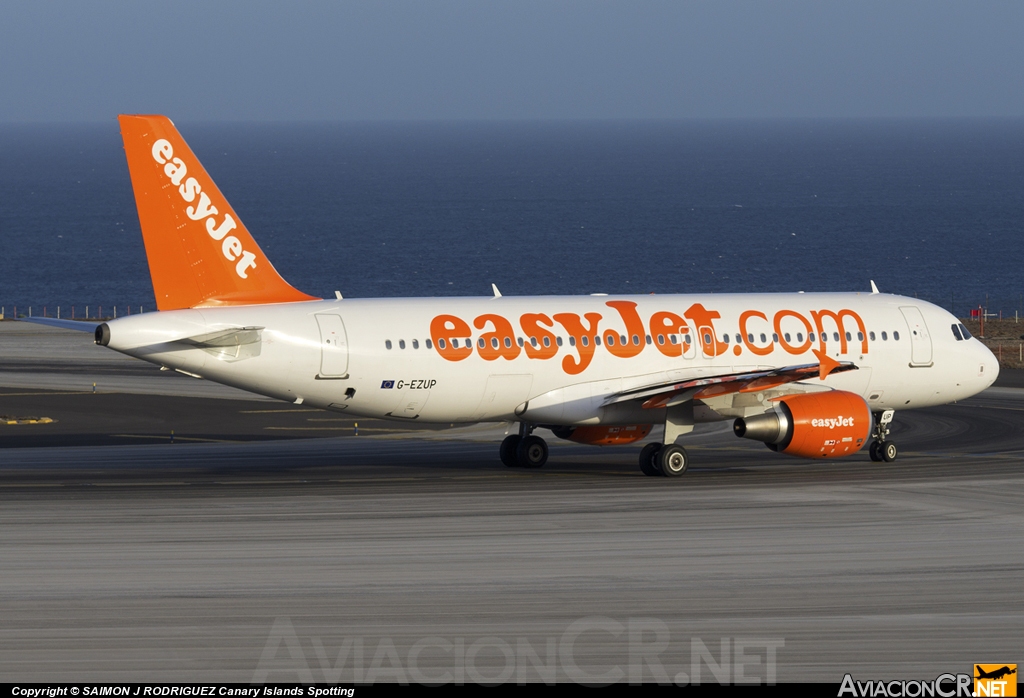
(811, 336)
(610, 340)
(585, 340)
(707, 339)
(480, 343)
(572, 341)
(597, 340)
(455, 344)
(848, 337)
(387, 343)
(622, 339)
(896, 336)
(786, 336)
(508, 342)
(860, 336)
(964, 332)
(763, 338)
(871, 336)
(725, 338)
(430, 344)
(885, 337)
(494, 342)
(533, 341)
(547, 342)
(956, 333)
(401, 344)
(649, 339)
(636, 341)
(835, 336)
(558, 340)
(415, 344)
(750, 338)
(673, 338)
(800, 337)
(521, 342)
(775, 337)
(738, 339)
(661, 339)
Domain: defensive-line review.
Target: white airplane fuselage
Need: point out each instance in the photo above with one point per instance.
(383, 357)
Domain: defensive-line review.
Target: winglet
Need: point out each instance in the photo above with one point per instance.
(199, 252)
(874, 289)
(826, 364)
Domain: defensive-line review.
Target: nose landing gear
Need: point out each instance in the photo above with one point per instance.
(880, 449)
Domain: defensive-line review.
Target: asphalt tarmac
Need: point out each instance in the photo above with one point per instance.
(418, 556)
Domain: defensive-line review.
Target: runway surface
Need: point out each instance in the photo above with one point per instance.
(419, 556)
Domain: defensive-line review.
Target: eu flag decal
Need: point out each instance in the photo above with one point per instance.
(387, 385)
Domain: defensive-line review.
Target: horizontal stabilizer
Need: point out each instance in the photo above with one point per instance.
(226, 338)
(78, 325)
(234, 344)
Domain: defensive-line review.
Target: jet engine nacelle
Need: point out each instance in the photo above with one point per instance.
(813, 425)
(603, 436)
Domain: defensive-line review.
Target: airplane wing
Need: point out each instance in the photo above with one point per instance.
(78, 325)
(660, 395)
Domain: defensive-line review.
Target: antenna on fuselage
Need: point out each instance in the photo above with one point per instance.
(497, 293)
(874, 289)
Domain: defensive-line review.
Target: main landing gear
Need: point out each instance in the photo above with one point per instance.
(663, 459)
(524, 450)
(880, 449)
(667, 458)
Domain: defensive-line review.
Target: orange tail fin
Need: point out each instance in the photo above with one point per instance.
(199, 252)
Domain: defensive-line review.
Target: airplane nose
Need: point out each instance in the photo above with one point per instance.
(989, 366)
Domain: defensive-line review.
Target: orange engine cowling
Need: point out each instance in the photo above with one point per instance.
(813, 425)
(603, 436)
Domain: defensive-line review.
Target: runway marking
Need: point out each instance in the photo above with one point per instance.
(329, 420)
(273, 411)
(177, 438)
(25, 420)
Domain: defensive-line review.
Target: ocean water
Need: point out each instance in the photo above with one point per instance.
(927, 208)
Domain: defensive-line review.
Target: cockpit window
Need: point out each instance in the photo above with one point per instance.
(964, 332)
(956, 333)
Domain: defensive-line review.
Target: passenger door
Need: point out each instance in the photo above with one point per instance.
(333, 347)
(920, 341)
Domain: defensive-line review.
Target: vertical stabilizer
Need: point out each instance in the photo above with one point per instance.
(199, 252)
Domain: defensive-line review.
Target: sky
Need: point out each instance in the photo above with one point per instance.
(520, 59)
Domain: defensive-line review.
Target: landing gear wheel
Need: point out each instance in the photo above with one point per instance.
(648, 454)
(508, 451)
(875, 451)
(532, 452)
(888, 451)
(672, 460)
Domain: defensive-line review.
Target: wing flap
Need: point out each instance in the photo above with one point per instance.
(660, 395)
